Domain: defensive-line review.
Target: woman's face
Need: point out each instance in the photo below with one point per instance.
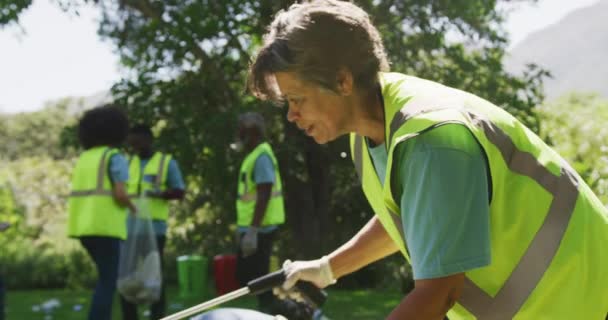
(320, 113)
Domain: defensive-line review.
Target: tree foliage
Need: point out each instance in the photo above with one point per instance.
(188, 61)
(40, 186)
(34, 182)
(575, 125)
(185, 67)
(35, 169)
(460, 44)
(11, 9)
(36, 133)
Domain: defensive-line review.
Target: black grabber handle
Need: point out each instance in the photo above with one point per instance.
(310, 291)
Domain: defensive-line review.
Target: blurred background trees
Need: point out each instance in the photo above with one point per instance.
(188, 63)
(185, 66)
(576, 125)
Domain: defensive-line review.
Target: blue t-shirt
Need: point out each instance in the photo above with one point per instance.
(118, 168)
(174, 181)
(263, 172)
(442, 183)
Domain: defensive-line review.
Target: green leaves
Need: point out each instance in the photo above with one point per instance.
(185, 66)
(575, 125)
(36, 133)
(11, 9)
(188, 61)
(460, 44)
(33, 194)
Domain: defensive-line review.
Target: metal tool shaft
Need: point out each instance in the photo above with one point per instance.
(256, 286)
(209, 304)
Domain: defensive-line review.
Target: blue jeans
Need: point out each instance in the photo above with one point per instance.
(105, 252)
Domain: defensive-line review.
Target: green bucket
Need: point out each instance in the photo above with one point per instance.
(192, 276)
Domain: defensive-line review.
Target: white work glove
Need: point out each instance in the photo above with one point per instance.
(249, 243)
(316, 271)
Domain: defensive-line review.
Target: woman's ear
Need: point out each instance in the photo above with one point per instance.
(345, 81)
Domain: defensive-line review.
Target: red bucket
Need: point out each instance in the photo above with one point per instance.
(224, 272)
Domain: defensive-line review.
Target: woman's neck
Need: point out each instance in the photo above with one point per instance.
(369, 117)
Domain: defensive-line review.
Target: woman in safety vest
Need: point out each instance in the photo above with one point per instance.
(98, 202)
(495, 224)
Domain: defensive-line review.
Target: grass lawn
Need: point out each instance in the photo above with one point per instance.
(351, 305)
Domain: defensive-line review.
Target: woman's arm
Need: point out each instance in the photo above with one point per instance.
(119, 192)
(431, 299)
(370, 244)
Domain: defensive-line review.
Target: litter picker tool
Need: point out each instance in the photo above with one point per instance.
(309, 291)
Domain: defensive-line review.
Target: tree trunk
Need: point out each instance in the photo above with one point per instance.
(307, 193)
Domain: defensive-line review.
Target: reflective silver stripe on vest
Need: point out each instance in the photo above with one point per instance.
(252, 196)
(405, 114)
(398, 223)
(99, 185)
(86, 193)
(537, 258)
(159, 175)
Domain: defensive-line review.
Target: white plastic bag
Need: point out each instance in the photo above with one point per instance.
(139, 270)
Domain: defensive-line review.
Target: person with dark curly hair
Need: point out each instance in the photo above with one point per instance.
(98, 202)
(495, 224)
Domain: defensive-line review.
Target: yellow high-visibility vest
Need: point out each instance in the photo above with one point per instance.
(549, 232)
(247, 194)
(91, 207)
(158, 167)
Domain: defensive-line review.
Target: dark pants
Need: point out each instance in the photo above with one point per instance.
(105, 252)
(157, 309)
(256, 265)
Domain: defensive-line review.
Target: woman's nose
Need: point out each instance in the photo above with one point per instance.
(292, 114)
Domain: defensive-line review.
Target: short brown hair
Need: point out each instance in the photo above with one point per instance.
(315, 40)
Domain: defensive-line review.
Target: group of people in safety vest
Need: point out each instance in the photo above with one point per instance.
(106, 182)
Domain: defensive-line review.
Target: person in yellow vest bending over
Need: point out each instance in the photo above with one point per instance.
(495, 224)
(157, 176)
(98, 202)
(259, 204)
